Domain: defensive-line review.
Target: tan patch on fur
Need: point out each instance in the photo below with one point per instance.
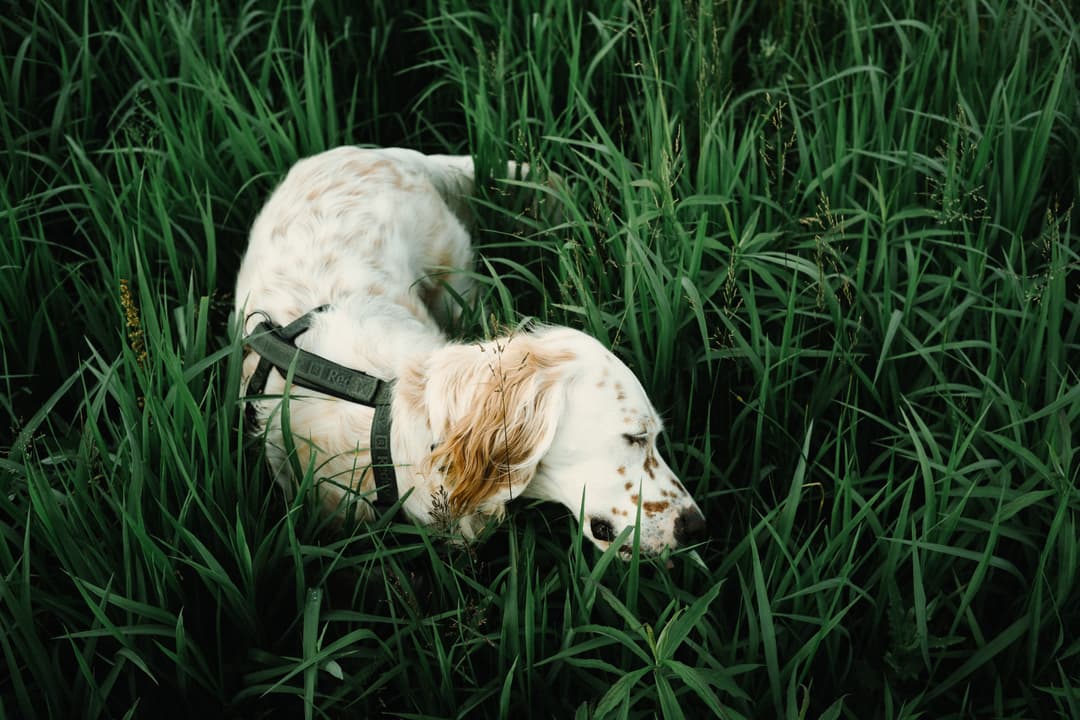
(416, 308)
(492, 447)
(318, 192)
(601, 384)
(634, 499)
(410, 389)
(384, 170)
(652, 508)
(619, 393)
(385, 167)
(445, 259)
(622, 471)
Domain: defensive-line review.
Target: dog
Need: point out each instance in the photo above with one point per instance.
(376, 239)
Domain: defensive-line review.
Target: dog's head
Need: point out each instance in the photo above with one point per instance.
(554, 415)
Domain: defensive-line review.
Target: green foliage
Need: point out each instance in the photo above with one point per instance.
(834, 239)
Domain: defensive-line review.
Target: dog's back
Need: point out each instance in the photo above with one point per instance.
(355, 222)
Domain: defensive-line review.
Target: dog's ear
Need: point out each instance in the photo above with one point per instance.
(508, 406)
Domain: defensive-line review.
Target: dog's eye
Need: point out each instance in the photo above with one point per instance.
(602, 530)
(637, 439)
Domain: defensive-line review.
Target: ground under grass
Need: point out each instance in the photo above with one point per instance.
(834, 239)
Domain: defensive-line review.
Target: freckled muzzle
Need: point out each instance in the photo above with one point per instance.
(689, 529)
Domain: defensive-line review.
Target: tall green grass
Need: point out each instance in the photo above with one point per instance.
(835, 240)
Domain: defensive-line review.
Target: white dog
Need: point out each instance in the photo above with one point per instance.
(369, 238)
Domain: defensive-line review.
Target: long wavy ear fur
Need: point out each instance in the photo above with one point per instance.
(509, 400)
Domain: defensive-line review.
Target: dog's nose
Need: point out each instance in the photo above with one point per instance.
(602, 530)
(689, 526)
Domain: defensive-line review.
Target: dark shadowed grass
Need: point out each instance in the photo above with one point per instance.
(835, 241)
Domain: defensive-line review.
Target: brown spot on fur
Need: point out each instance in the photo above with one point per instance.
(619, 394)
(621, 470)
(634, 499)
(614, 511)
(651, 508)
(651, 463)
(629, 486)
(679, 485)
(600, 384)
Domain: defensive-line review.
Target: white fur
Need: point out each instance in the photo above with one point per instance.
(375, 234)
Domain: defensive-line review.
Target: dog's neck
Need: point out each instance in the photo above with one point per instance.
(470, 421)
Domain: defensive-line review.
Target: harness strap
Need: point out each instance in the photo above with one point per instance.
(276, 348)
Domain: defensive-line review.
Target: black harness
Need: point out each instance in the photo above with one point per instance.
(276, 348)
